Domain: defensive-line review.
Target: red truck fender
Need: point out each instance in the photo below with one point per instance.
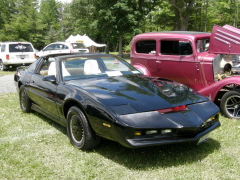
(212, 90)
(142, 69)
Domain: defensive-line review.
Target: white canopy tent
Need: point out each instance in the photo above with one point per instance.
(89, 43)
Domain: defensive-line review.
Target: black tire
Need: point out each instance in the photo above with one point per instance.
(3, 67)
(25, 102)
(79, 130)
(230, 104)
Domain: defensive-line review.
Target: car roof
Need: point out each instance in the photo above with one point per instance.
(178, 32)
(65, 42)
(8, 42)
(173, 34)
(63, 55)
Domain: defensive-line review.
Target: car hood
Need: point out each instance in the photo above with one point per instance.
(132, 93)
(224, 40)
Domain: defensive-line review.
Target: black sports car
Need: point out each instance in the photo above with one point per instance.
(100, 95)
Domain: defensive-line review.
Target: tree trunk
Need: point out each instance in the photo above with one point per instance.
(206, 15)
(120, 53)
(182, 10)
(107, 48)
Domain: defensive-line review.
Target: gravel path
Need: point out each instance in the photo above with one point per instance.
(7, 84)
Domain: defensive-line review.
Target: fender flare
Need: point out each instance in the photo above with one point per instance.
(212, 90)
(142, 69)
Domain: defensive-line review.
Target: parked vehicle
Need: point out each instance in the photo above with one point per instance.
(100, 95)
(63, 47)
(16, 54)
(208, 63)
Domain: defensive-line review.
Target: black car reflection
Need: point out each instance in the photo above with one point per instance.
(99, 95)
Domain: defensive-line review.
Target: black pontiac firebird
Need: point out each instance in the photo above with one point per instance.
(99, 95)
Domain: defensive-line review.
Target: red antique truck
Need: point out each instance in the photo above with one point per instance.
(206, 62)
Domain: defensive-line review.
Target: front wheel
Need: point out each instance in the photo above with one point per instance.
(79, 130)
(230, 104)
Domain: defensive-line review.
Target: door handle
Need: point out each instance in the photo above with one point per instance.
(158, 61)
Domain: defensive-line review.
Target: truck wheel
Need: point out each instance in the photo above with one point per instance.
(79, 130)
(3, 67)
(230, 104)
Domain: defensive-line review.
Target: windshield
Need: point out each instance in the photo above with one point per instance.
(95, 66)
(202, 45)
(78, 46)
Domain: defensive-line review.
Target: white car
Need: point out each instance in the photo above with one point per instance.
(16, 54)
(63, 47)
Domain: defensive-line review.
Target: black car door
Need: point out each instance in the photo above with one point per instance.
(42, 93)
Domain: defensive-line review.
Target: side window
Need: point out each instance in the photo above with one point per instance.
(48, 67)
(49, 48)
(3, 48)
(146, 47)
(59, 46)
(64, 47)
(185, 48)
(169, 47)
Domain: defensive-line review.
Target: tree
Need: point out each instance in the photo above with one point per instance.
(82, 13)
(7, 8)
(22, 21)
(65, 20)
(159, 19)
(183, 9)
(119, 17)
(48, 22)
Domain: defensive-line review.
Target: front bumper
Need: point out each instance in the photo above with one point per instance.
(154, 128)
(154, 141)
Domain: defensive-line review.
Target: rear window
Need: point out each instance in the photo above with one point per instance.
(78, 46)
(20, 48)
(146, 47)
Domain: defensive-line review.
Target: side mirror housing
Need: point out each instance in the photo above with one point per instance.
(49, 78)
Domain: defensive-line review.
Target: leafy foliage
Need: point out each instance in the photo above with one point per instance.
(112, 22)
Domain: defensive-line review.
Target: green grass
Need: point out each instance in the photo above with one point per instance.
(34, 147)
(10, 72)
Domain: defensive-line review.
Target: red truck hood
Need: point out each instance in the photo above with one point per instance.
(225, 40)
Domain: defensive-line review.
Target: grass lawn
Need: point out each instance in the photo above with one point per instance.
(10, 72)
(34, 147)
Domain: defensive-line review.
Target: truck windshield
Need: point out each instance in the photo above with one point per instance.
(202, 45)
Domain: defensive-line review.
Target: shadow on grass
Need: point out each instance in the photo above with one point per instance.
(157, 156)
(51, 122)
(149, 157)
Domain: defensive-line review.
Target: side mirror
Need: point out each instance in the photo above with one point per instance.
(49, 78)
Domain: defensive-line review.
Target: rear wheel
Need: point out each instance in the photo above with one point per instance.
(25, 102)
(3, 67)
(79, 130)
(230, 104)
